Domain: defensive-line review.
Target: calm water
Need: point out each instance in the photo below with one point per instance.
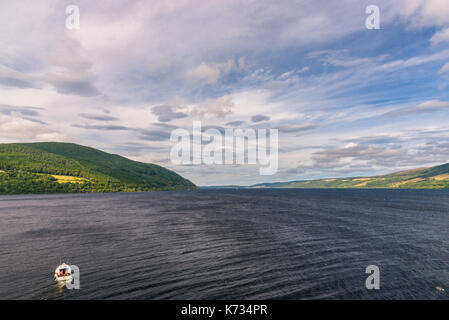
(220, 244)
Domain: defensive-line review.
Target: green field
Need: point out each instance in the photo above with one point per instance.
(52, 167)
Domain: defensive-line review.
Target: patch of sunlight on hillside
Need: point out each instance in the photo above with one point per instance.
(441, 177)
(397, 184)
(69, 179)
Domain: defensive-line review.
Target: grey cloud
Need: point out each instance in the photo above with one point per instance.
(425, 107)
(339, 170)
(12, 78)
(377, 139)
(73, 76)
(145, 134)
(12, 82)
(293, 147)
(294, 171)
(329, 158)
(34, 120)
(154, 135)
(369, 157)
(259, 118)
(137, 148)
(427, 132)
(165, 113)
(414, 136)
(23, 110)
(434, 151)
(76, 84)
(297, 128)
(100, 117)
(165, 126)
(164, 133)
(67, 83)
(340, 58)
(162, 161)
(235, 123)
(102, 127)
(220, 129)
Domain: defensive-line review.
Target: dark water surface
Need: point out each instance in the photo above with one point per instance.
(221, 244)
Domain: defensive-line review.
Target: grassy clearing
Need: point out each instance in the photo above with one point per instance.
(397, 184)
(441, 177)
(69, 179)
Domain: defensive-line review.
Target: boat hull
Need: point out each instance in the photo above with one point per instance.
(63, 279)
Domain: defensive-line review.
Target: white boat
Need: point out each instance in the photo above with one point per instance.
(63, 273)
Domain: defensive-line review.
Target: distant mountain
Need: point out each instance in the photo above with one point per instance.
(422, 178)
(52, 167)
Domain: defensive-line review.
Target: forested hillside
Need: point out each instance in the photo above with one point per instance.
(65, 167)
(422, 178)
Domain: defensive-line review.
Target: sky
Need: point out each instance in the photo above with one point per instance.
(347, 100)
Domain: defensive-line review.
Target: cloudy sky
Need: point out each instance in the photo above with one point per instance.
(347, 100)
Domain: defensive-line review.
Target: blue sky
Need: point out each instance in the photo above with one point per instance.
(347, 100)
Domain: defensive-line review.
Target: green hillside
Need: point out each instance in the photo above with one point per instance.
(423, 178)
(52, 167)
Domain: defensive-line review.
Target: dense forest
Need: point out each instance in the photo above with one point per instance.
(64, 167)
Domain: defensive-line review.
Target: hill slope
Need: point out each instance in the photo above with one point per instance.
(52, 167)
(423, 178)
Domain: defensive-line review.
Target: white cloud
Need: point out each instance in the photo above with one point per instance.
(414, 61)
(220, 107)
(16, 128)
(425, 12)
(204, 72)
(444, 69)
(440, 36)
(427, 106)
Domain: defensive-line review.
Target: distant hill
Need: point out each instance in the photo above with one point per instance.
(422, 178)
(52, 167)
(223, 187)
